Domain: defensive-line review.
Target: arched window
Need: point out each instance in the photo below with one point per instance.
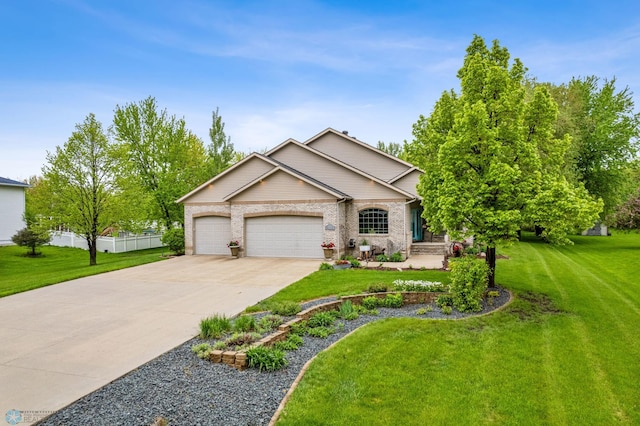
(373, 221)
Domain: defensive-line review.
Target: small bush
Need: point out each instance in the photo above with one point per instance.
(419, 285)
(355, 263)
(469, 279)
(286, 309)
(370, 302)
(378, 288)
(298, 328)
(202, 351)
(396, 257)
(214, 327)
(423, 311)
(392, 301)
(324, 266)
(241, 339)
(174, 239)
(244, 323)
(446, 310)
(31, 238)
(321, 332)
(266, 359)
(292, 343)
(382, 258)
(444, 300)
(220, 345)
(321, 319)
(347, 311)
(268, 323)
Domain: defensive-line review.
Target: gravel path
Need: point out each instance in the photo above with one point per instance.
(186, 390)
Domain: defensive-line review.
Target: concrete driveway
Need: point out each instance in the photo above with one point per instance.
(61, 342)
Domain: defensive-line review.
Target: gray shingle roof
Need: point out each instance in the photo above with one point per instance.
(10, 182)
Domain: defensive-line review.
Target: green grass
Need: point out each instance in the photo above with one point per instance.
(566, 351)
(57, 264)
(341, 282)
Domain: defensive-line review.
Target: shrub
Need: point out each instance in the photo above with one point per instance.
(174, 239)
(446, 310)
(268, 323)
(378, 288)
(444, 300)
(423, 311)
(286, 308)
(292, 343)
(266, 359)
(299, 328)
(347, 311)
(355, 263)
(321, 319)
(324, 266)
(321, 332)
(382, 258)
(241, 339)
(469, 279)
(396, 257)
(220, 345)
(244, 323)
(31, 238)
(392, 301)
(214, 327)
(360, 309)
(370, 302)
(202, 351)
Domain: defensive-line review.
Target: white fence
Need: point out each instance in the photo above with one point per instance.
(107, 244)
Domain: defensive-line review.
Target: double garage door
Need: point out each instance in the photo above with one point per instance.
(265, 236)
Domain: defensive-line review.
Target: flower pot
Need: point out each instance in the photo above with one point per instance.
(234, 250)
(328, 253)
(345, 266)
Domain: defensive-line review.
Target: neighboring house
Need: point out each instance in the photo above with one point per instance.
(288, 201)
(12, 204)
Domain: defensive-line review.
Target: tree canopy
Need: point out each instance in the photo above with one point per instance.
(492, 164)
(81, 182)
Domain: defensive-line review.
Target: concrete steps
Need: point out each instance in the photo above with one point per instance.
(435, 248)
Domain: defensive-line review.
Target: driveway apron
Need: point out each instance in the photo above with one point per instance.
(61, 342)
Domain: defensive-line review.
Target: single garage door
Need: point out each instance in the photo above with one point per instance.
(284, 236)
(212, 234)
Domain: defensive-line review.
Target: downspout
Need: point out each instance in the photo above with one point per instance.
(338, 219)
(405, 224)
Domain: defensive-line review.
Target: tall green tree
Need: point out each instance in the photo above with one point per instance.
(221, 152)
(490, 159)
(160, 156)
(604, 132)
(81, 179)
(392, 148)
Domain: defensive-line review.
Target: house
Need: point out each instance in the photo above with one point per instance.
(12, 205)
(288, 201)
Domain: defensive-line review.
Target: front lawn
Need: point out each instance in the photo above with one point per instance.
(21, 273)
(565, 351)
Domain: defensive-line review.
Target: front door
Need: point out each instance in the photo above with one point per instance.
(416, 224)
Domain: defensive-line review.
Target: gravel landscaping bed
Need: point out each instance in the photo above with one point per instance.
(186, 390)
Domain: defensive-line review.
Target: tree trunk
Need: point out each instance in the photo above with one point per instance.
(92, 251)
(491, 262)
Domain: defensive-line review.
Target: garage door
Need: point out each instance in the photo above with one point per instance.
(284, 236)
(212, 234)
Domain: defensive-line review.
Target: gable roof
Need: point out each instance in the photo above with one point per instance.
(10, 182)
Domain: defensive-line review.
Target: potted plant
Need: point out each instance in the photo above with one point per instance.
(342, 264)
(364, 246)
(328, 249)
(234, 246)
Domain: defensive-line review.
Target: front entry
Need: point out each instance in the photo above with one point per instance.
(416, 224)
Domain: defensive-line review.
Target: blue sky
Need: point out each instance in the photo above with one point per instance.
(279, 69)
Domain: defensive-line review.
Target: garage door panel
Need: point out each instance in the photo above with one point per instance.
(212, 234)
(284, 236)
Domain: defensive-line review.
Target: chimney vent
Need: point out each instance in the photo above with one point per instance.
(346, 132)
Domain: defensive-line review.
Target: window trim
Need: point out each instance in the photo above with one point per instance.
(372, 219)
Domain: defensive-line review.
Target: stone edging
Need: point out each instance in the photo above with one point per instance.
(238, 359)
(306, 366)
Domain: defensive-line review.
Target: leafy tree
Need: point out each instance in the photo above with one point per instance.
(221, 152)
(491, 162)
(31, 238)
(392, 148)
(627, 215)
(82, 182)
(160, 156)
(604, 132)
(174, 239)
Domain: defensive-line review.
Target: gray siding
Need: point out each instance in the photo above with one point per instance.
(408, 183)
(281, 186)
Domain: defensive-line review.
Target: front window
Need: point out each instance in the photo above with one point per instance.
(373, 221)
